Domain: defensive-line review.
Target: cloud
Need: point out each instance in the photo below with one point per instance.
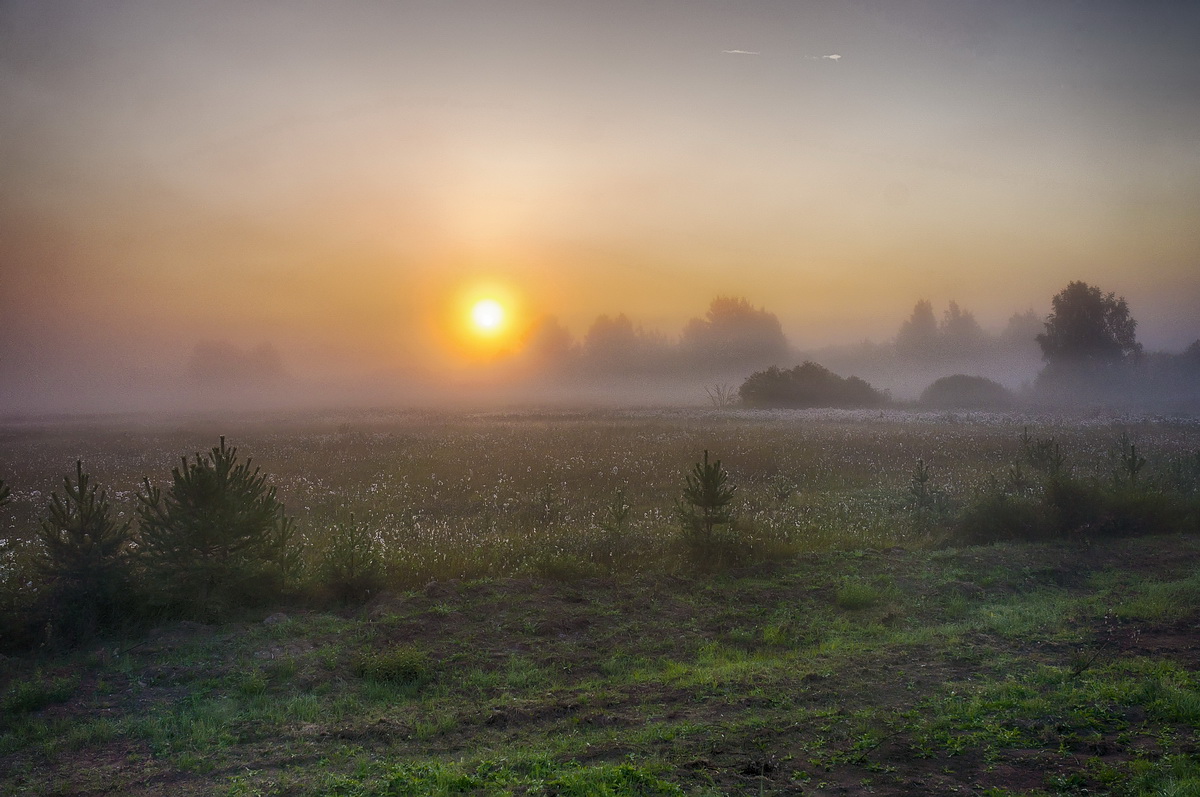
(743, 52)
(834, 57)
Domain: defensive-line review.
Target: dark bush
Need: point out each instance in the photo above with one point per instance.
(998, 517)
(808, 385)
(962, 392)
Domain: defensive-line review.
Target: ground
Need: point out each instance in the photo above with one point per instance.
(1060, 668)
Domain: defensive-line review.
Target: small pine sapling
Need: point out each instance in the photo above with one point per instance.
(85, 559)
(216, 537)
(706, 504)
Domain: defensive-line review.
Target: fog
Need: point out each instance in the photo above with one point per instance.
(220, 205)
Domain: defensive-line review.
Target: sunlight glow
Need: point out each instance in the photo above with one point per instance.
(487, 315)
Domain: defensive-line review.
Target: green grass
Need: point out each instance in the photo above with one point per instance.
(855, 649)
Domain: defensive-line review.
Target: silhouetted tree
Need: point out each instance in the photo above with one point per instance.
(918, 336)
(1088, 327)
(615, 345)
(734, 332)
(960, 334)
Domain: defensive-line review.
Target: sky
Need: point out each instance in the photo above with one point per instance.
(341, 180)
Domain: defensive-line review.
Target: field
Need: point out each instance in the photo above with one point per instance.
(542, 630)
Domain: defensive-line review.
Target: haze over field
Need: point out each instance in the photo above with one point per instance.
(318, 196)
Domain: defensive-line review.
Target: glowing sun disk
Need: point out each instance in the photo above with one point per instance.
(487, 315)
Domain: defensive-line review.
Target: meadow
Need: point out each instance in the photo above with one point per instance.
(539, 629)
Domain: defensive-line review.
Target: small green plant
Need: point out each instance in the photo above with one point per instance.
(33, 694)
(217, 537)
(920, 488)
(351, 567)
(1043, 455)
(85, 559)
(856, 595)
(405, 666)
(1130, 463)
(706, 505)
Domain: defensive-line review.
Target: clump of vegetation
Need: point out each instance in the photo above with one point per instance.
(405, 665)
(1055, 503)
(808, 385)
(351, 567)
(84, 561)
(706, 515)
(855, 595)
(217, 538)
(962, 392)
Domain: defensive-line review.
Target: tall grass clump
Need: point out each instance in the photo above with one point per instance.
(351, 569)
(216, 539)
(1057, 503)
(85, 560)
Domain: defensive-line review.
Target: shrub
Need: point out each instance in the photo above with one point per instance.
(351, 568)
(216, 538)
(808, 385)
(967, 392)
(85, 559)
(856, 595)
(999, 517)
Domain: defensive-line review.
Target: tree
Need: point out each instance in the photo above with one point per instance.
(1088, 328)
(918, 336)
(706, 504)
(217, 537)
(734, 333)
(5, 493)
(85, 558)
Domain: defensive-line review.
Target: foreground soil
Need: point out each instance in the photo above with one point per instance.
(1035, 669)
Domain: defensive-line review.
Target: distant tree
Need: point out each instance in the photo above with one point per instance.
(960, 333)
(550, 344)
(1088, 328)
(966, 392)
(85, 557)
(918, 336)
(807, 385)
(1022, 329)
(614, 345)
(734, 332)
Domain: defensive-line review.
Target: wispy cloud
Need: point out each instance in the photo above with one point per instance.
(834, 57)
(742, 52)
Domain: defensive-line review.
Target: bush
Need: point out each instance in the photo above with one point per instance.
(85, 559)
(967, 392)
(217, 538)
(999, 517)
(808, 385)
(351, 569)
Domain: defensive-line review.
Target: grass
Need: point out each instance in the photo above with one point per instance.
(717, 684)
(518, 652)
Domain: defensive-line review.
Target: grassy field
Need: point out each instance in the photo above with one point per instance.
(527, 644)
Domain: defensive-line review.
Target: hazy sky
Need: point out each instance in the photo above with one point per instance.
(334, 178)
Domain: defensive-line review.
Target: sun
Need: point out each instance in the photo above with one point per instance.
(487, 315)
